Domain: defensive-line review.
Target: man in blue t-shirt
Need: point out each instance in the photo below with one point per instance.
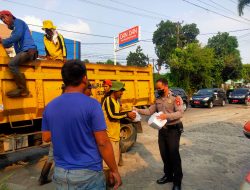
(78, 133)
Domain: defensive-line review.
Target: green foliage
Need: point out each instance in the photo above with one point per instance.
(85, 61)
(188, 35)
(223, 44)
(225, 47)
(99, 62)
(138, 58)
(169, 35)
(191, 68)
(246, 73)
(241, 5)
(109, 62)
(3, 185)
(157, 76)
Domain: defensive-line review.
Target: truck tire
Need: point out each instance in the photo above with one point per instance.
(128, 136)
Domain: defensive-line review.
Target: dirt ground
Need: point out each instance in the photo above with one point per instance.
(215, 155)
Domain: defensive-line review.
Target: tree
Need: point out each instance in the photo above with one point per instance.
(241, 5)
(85, 61)
(109, 62)
(227, 55)
(246, 73)
(138, 58)
(170, 35)
(191, 67)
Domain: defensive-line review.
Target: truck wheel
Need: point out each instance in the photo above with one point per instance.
(128, 136)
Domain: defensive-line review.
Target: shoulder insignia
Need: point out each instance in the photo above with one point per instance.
(178, 100)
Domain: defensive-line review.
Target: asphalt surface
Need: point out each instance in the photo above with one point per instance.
(215, 155)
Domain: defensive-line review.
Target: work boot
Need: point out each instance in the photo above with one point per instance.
(45, 173)
(164, 179)
(176, 187)
(21, 90)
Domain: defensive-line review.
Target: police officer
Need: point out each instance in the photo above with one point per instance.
(169, 135)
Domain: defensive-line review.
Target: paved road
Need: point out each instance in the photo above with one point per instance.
(215, 155)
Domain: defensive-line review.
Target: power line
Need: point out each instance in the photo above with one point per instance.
(121, 10)
(243, 36)
(70, 15)
(217, 4)
(207, 4)
(70, 31)
(214, 12)
(138, 8)
(230, 31)
(228, 10)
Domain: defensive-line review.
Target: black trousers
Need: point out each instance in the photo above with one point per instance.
(169, 142)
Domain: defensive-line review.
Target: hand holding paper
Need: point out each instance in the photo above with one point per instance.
(155, 122)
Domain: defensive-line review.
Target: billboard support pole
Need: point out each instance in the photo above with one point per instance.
(114, 51)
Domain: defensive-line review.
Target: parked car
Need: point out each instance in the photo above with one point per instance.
(239, 95)
(180, 92)
(246, 184)
(208, 97)
(228, 92)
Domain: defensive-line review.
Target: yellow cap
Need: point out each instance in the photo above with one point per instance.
(48, 24)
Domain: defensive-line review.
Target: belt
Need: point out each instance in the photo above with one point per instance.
(169, 126)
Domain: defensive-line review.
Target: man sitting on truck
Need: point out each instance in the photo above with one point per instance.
(25, 49)
(111, 109)
(54, 42)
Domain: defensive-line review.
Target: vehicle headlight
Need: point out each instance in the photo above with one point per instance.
(191, 98)
(242, 96)
(230, 96)
(206, 99)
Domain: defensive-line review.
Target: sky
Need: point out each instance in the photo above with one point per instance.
(102, 20)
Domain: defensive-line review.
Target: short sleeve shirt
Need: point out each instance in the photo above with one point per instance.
(72, 119)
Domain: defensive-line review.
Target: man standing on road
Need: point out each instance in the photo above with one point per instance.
(78, 133)
(43, 179)
(169, 135)
(111, 109)
(25, 49)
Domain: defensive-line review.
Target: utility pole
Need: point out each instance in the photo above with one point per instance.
(178, 27)
(114, 50)
(177, 34)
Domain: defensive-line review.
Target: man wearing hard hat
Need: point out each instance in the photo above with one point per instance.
(25, 49)
(54, 42)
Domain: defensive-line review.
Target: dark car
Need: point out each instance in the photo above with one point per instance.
(239, 95)
(180, 92)
(208, 97)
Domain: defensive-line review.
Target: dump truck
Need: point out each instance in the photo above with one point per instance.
(20, 118)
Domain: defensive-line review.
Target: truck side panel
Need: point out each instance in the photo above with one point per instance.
(44, 83)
